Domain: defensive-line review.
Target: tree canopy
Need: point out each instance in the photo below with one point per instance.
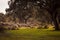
(36, 9)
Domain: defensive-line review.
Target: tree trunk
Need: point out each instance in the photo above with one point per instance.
(25, 21)
(54, 19)
(55, 23)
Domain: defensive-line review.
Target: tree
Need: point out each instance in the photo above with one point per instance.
(51, 6)
(2, 17)
(19, 9)
(22, 8)
(2, 20)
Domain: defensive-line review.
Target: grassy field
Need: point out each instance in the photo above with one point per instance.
(30, 34)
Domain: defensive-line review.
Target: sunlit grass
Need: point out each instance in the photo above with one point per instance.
(31, 34)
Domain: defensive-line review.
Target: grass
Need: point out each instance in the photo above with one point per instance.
(30, 34)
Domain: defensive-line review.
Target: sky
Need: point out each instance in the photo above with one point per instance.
(3, 5)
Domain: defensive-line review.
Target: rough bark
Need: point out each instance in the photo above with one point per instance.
(56, 24)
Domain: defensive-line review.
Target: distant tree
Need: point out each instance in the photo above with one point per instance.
(2, 17)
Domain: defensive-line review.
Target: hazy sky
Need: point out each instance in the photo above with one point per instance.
(3, 5)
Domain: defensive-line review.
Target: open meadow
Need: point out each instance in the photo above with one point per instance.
(30, 34)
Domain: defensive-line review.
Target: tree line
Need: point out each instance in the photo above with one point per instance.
(43, 11)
